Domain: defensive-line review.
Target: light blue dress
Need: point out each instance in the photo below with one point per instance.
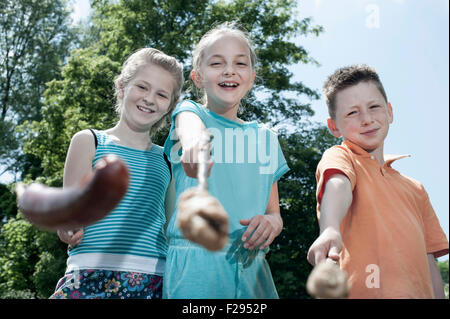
(247, 161)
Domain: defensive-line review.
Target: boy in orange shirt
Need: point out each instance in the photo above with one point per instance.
(378, 223)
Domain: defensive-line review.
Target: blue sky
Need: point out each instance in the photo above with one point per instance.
(407, 42)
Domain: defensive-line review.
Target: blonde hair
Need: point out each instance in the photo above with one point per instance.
(144, 57)
(226, 28)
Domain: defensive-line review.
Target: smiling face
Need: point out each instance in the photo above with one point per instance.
(147, 97)
(226, 74)
(362, 116)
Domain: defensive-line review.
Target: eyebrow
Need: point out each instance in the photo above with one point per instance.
(221, 56)
(376, 101)
(163, 90)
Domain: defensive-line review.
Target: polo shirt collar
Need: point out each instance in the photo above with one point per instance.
(388, 158)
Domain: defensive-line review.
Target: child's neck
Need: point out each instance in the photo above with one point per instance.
(125, 135)
(379, 155)
(229, 113)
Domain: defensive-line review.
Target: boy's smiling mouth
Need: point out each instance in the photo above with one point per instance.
(370, 132)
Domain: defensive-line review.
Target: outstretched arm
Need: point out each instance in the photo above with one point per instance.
(83, 200)
(189, 129)
(336, 201)
(80, 156)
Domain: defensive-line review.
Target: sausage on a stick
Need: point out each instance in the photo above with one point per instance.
(201, 217)
(328, 281)
(76, 206)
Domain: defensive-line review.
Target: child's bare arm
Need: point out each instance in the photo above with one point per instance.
(336, 201)
(78, 165)
(79, 158)
(264, 227)
(436, 278)
(189, 129)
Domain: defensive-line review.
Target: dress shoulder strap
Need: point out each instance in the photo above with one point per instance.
(95, 137)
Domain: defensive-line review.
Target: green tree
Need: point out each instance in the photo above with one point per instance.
(30, 260)
(34, 40)
(83, 97)
(443, 268)
(8, 206)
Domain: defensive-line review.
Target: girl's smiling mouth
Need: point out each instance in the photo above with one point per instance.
(145, 109)
(227, 84)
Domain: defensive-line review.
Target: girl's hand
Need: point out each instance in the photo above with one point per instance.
(71, 237)
(189, 161)
(263, 229)
(328, 244)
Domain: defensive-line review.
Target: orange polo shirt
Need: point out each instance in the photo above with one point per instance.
(389, 228)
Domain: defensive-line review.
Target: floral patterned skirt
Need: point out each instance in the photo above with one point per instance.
(108, 284)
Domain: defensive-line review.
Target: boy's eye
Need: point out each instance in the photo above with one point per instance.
(215, 63)
(163, 95)
(351, 113)
(374, 106)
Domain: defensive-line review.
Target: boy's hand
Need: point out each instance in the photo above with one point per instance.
(263, 229)
(72, 238)
(328, 244)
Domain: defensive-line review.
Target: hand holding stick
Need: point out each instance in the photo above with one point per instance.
(201, 217)
(328, 281)
(77, 206)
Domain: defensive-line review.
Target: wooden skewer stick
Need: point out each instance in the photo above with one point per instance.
(74, 207)
(328, 281)
(201, 217)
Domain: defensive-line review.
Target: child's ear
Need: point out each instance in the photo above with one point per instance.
(120, 90)
(333, 128)
(390, 113)
(197, 79)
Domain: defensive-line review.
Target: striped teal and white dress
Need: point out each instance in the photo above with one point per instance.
(131, 238)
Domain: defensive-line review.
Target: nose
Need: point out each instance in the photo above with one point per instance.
(366, 118)
(149, 98)
(228, 70)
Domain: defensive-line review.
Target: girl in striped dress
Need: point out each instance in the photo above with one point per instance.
(123, 255)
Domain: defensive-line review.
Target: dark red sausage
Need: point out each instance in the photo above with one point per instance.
(77, 206)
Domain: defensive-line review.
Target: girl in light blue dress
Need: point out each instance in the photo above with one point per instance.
(247, 163)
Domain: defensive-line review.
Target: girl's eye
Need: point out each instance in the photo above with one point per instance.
(142, 87)
(374, 106)
(214, 63)
(163, 95)
(351, 113)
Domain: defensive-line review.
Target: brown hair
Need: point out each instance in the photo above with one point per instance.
(346, 77)
(144, 57)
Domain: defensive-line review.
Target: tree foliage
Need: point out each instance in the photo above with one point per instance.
(82, 96)
(34, 40)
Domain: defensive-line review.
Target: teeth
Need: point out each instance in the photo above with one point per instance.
(228, 84)
(145, 109)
